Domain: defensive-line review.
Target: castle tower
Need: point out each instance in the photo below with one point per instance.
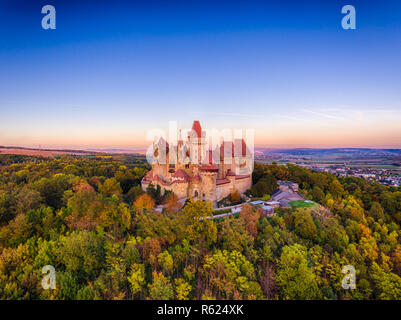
(197, 141)
(208, 175)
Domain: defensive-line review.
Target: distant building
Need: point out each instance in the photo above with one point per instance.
(262, 205)
(287, 185)
(256, 202)
(274, 204)
(286, 192)
(267, 210)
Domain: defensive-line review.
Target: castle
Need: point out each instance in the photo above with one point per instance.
(192, 170)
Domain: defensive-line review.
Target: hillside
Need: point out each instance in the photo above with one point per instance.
(88, 217)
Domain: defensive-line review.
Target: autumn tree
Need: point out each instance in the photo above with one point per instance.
(144, 202)
(250, 217)
(171, 202)
(235, 197)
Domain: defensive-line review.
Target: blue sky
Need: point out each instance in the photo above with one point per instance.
(114, 69)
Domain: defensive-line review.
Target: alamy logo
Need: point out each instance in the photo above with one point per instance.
(349, 280)
(49, 20)
(348, 21)
(198, 146)
(49, 280)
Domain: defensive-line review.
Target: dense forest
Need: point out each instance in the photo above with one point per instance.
(88, 217)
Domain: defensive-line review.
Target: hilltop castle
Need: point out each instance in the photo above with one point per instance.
(191, 170)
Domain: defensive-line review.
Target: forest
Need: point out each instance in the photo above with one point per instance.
(88, 217)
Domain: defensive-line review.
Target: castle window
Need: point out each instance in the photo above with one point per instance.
(187, 166)
(196, 194)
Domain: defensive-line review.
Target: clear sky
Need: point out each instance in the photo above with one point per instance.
(114, 69)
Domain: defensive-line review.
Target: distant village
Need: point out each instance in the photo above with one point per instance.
(382, 166)
(380, 175)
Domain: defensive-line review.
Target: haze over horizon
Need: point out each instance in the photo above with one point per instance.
(112, 71)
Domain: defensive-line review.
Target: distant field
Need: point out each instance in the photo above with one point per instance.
(37, 152)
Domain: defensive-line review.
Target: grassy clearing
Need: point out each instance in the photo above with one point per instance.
(235, 215)
(301, 204)
(221, 211)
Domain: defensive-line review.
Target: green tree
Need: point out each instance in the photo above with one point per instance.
(111, 187)
(182, 289)
(161, 288)
(318, 194)
(166, 262)
(136, 278)
(81, 253)
(198, 226)
(336, 189)
(304, 224)
(376, 211)
(295, 278)
(388, 284)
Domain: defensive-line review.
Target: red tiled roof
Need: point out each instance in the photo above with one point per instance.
(159, 179)
(196, 178)
(222, 181)
(181, 174)
(242, 176)
(230, 173)
(209, 168)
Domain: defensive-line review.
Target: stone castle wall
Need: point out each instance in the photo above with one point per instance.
(223, 190)
(206, 189)
(243, 184)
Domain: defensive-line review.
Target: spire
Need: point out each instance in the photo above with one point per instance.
(197, 128)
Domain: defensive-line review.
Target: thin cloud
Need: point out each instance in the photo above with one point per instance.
(323, 114)
(230, 114)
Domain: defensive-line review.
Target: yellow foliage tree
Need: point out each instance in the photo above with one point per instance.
(144, 201)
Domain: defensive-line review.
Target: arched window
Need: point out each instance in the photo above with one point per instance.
(196, 194)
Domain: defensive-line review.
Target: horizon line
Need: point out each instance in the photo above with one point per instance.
(138, 149)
